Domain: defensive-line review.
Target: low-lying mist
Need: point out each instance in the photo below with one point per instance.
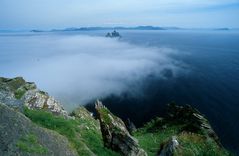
(77, 69)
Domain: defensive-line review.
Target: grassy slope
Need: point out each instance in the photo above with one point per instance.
(191, 144)
(83, 131)
(81, 137)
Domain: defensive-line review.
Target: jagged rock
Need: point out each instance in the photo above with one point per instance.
(114, 34)
(193, 120)
(36, 99)
(115, 134)
(20, 137)
(169, 148)
(17, 93)
(130, 126)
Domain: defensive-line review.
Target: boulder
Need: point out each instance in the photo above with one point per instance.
(20, 137)
(115, 134)
(169, 148)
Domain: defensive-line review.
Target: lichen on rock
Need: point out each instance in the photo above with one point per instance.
(16, 92)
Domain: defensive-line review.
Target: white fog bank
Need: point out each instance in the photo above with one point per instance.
(77, 69)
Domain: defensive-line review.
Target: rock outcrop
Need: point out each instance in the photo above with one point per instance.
(169, 148)
(193, 127)
(17, 93)
(115, 134)
(20, 137)
(114, 34)
(193, 120)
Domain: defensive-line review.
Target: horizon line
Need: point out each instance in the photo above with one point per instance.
(119, 27)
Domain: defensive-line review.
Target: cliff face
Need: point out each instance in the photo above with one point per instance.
(34, 123)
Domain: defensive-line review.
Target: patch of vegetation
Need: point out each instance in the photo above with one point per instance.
(157, 131)
(105, 115)
(19, 93)
(150, 141)
(16, 83)
(80, 132)
(195, 144)
(29, 143)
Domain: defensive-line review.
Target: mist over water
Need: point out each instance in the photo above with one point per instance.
(137, 75)
(79, 68)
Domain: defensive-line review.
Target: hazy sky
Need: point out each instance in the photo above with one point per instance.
(46, 14)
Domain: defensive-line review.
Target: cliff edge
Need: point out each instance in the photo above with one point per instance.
(34, 123)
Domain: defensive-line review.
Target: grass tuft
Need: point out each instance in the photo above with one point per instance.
(29, 143)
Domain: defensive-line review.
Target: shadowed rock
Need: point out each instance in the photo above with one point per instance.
(114, 133)
(130, 126)
(169, 148)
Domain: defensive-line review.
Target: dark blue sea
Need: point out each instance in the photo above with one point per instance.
(200, 68)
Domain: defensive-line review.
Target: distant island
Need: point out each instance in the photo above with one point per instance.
(224, 29)
(116, 28)
(119, 28)
(37, 30)
(109, 28)
(114, 34)
(129, 28)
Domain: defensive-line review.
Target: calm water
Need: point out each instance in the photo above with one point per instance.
(210, 84)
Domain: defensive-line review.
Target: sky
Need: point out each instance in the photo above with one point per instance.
(47, 14)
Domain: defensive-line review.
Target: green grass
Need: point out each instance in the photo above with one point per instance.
(152, 135)
(29, 143)
(85, 131)
(80, 132)
(197, 145)
(150, 141)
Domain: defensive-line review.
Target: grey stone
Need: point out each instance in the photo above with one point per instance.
(20, 137)
(115, 134)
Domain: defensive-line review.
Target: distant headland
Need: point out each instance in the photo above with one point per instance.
(72, 29)
(131, 28)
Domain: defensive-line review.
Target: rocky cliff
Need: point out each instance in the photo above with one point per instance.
(17, 93)
(34, 123)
